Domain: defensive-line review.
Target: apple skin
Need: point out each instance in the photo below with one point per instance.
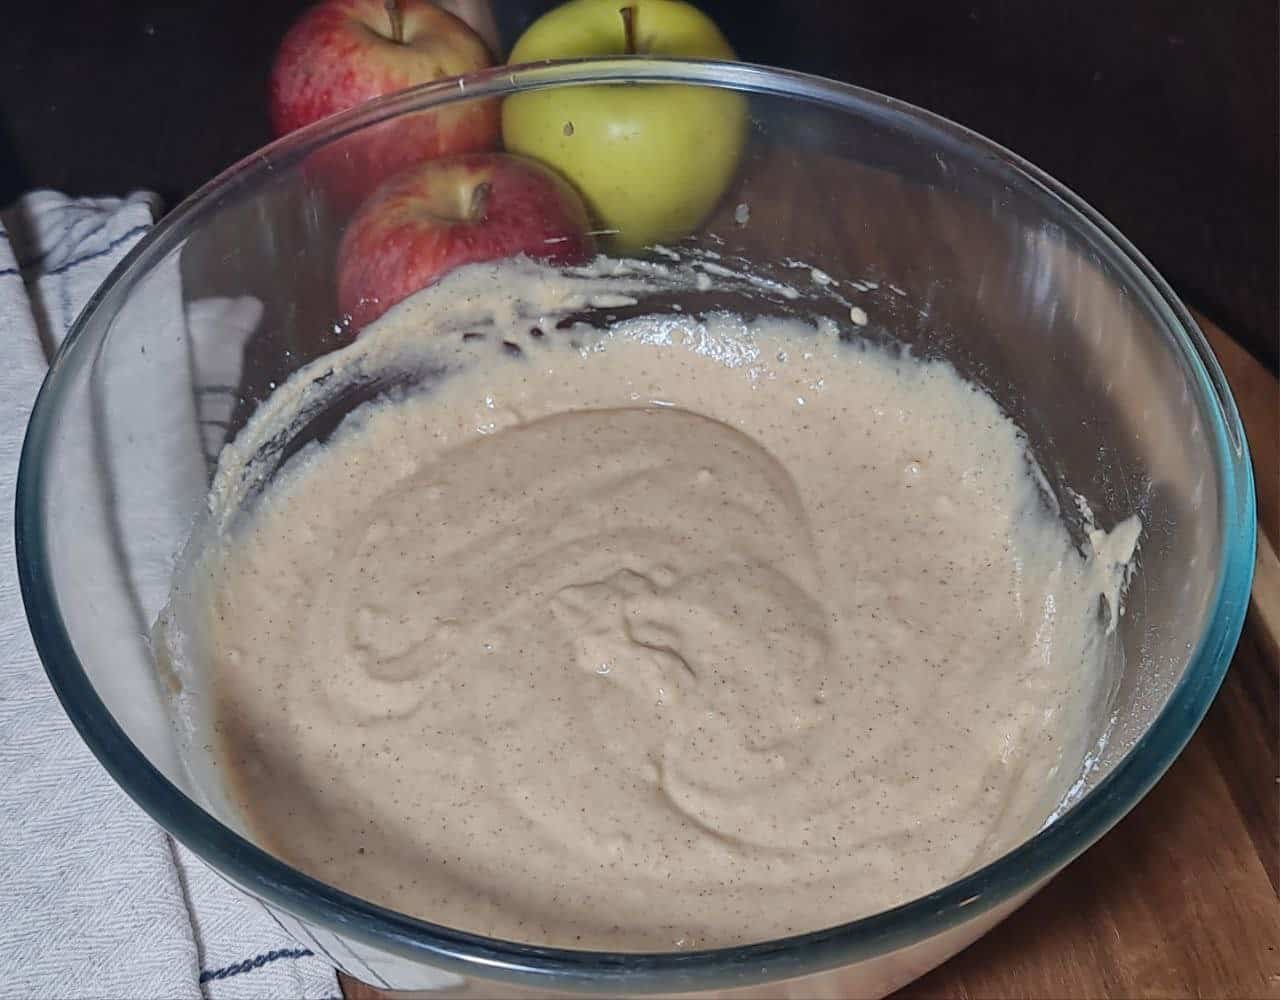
(341, 53)
(430, 219)
(651, 161)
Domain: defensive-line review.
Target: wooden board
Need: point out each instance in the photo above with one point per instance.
(1182, 898)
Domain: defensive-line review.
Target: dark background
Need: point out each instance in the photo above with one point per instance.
(1162, 114)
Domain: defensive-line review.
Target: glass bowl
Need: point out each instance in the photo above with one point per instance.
(948, 243)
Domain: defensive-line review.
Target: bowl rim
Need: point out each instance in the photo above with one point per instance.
(1014, 874)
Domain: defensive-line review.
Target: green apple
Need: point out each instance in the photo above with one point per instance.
(651, 160)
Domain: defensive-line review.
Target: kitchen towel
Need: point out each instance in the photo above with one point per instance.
(95, 899)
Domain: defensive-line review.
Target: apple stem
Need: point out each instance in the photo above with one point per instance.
(397, 20)
(479, 202)
(629, 28)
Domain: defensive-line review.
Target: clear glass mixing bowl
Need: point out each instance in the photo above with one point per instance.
(947, 242)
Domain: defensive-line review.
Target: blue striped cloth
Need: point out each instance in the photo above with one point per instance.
(95, 900)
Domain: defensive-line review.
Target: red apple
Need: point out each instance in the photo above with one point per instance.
(457, 210)
(341, 53)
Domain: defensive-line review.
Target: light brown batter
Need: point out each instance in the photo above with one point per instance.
(692, 634)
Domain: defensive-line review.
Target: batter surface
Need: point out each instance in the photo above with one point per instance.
(682, 634)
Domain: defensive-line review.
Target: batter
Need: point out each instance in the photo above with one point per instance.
(681, 634)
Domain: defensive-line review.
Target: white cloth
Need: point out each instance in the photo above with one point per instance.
(95, 899)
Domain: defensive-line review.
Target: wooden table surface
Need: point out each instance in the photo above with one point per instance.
(1182, 898)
